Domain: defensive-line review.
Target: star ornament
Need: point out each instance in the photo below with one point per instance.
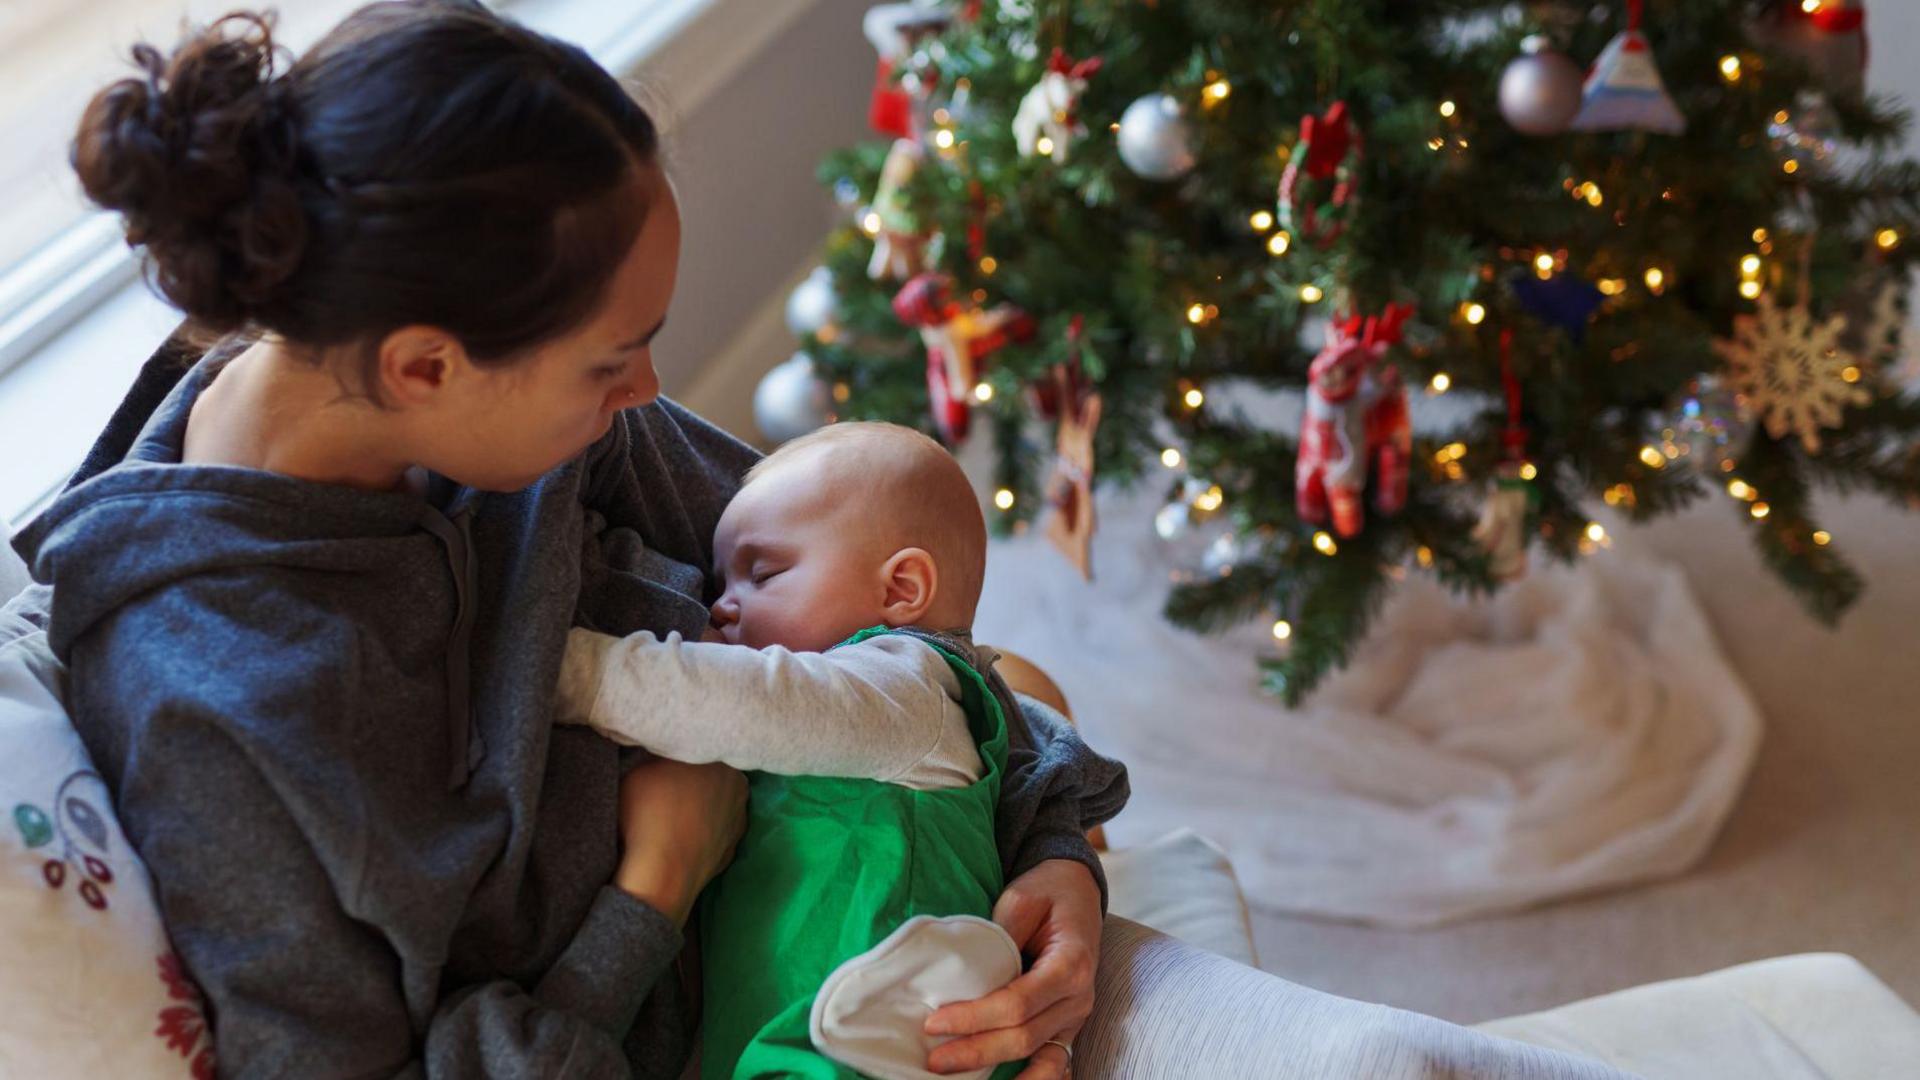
(1792, 370)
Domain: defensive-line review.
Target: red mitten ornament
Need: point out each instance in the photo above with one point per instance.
(1356, 416)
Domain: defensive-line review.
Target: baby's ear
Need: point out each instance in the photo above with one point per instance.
(911, 579)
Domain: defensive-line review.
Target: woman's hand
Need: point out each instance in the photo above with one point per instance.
(1053, 913)
(679, 823)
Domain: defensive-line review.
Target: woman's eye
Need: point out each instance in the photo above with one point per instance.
(608, 373)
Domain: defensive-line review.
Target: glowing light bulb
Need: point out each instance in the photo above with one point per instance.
(1759, 510)
(1888, 239)
(1441, 383)
(1473, 313)
(1750, 289)
(1760, 235)
(983, 393)
(1210, 499)
(1194, 398)
(988, 264)
(1822, 537)
(1850, 373)
(1447, 108)
(1596, 532)
(1003, 499)
(1730, 68)
(1750, 265)
(1323, 543)
(943, 139)
(1197, 314)
(1044, 146)
(870, 224)
(1311, 293)
(1653, 458)
(1529, 471)
(1424, 556)
(1282, 630)
(1279, 242)
(1261, 220)
(1656, 278)
(1170, 458)
(1612, 286)
(1810, 6)
(1790, 166)
(1740, 489)
(1218, 89)
(1543, 262)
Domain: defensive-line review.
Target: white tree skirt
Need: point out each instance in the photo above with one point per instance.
(1580, 730)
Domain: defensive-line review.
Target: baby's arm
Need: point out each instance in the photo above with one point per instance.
(879, 710)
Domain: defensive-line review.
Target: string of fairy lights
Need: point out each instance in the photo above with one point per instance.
(1755, 272)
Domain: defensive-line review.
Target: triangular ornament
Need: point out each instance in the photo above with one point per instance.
(1624, 91)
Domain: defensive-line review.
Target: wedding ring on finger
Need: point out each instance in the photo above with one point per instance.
(1064, 1047)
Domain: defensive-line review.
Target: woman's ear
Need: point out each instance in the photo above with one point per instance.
(911, 580)
(415, 365)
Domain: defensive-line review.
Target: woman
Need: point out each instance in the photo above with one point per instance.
(314, 610)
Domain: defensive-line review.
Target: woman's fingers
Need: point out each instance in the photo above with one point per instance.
(1049, 1061)
(1006, 1043)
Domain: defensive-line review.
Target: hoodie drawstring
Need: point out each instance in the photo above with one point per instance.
(464, 748)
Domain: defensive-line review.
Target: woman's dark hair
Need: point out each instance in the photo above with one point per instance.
(425, 162)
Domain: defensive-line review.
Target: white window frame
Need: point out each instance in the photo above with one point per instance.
(76, 321)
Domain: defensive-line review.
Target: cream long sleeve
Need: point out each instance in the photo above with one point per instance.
(885, 709)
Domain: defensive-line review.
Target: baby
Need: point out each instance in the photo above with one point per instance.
(851, 564)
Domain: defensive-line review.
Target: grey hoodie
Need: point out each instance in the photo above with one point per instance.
(325, 714)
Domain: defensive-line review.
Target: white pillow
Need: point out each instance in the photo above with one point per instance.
(90, 985)
(1183, 886)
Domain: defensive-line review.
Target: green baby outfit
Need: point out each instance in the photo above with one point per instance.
(828, 867)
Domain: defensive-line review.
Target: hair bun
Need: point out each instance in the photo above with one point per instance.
(198, 154)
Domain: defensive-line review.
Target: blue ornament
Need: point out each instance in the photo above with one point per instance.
(1563, 300)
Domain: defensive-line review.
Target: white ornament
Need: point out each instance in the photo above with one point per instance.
(1155, 140)
(1792, 370)
(812, 307)
(1048, 120)
(792, 400)
(1540, 90)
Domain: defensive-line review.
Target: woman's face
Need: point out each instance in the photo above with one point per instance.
(514, 423)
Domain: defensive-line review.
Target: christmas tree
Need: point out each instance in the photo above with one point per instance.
(1677, 274)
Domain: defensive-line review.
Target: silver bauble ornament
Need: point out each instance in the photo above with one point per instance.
(1709, 424)
(1540, 89)
(812, 307)
(1155, 141)
(792, 400)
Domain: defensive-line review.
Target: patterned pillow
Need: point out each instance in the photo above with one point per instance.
(90, 985)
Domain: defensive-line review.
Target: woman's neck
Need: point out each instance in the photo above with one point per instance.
(270, 409)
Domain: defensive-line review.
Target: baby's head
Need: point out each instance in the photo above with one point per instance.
(852, 526)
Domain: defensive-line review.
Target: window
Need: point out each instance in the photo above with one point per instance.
(74, 322)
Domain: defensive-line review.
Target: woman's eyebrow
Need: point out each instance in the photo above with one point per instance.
(645, 338)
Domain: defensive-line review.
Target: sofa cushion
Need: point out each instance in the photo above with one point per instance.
(1183, 886)
(1821, 1016)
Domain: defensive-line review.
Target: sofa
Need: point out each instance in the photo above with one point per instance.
(92, 986)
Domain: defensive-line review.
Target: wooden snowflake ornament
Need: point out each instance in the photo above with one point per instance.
(1792, 369)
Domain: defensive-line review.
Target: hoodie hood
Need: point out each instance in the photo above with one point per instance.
(150, 523)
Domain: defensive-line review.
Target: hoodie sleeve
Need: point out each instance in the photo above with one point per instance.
(1056, 789)
(666, 474)
(256, 853)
